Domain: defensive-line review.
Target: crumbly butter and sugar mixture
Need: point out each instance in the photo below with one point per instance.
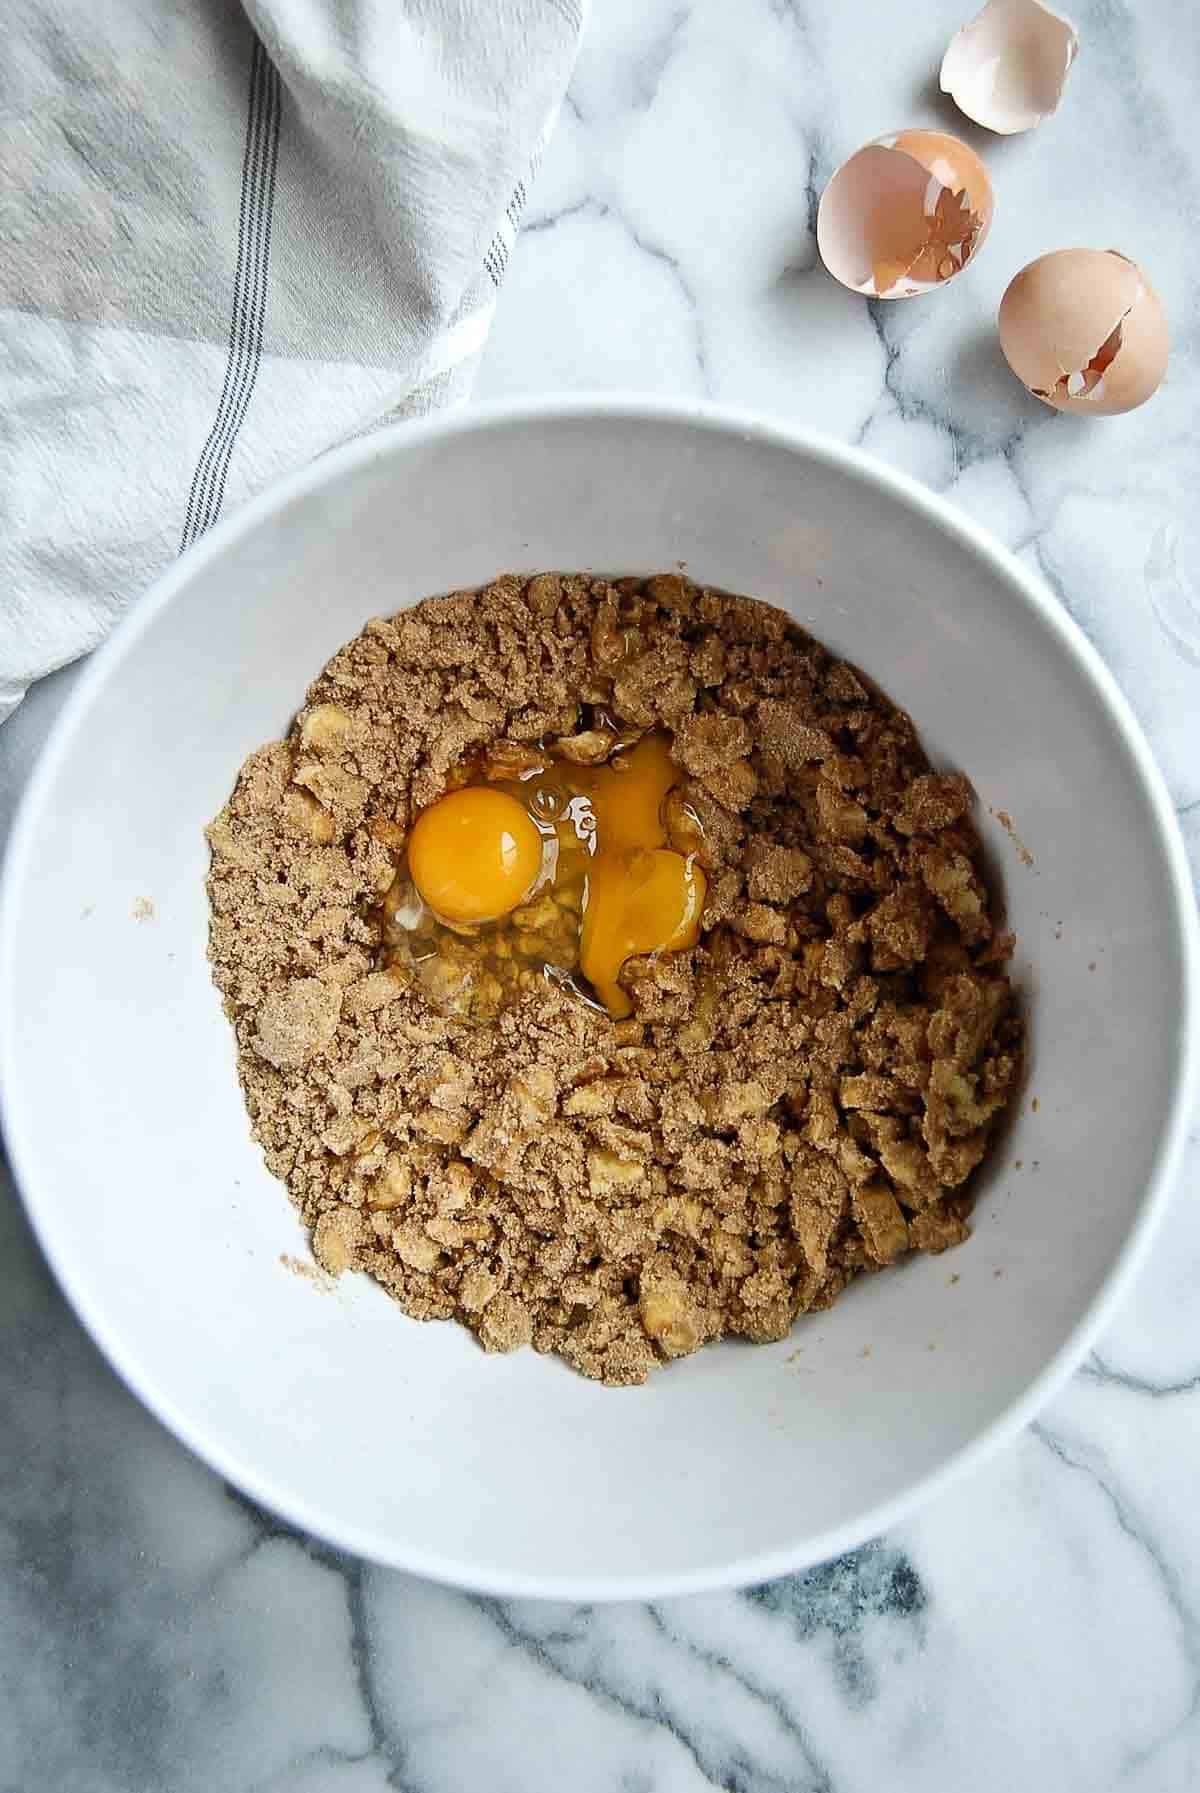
(801, 1096)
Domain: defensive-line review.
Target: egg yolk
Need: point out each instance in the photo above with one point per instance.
(627, 795)
(643, 900)
(641, 896)
(474, 855)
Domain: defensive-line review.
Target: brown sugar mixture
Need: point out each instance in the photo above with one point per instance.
(609, 970)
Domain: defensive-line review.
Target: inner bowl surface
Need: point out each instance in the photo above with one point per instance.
(403, 1441)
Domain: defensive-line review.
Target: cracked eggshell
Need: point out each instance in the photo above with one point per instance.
(1008, 67)
(904, 214)
(1085, 331)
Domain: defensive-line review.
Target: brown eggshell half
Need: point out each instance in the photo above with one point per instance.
(1084, 330)
(1008, 67)
(904, 215)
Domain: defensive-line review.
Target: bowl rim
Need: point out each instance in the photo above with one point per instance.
(392, 442)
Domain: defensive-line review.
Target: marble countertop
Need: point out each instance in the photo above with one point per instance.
(1039, 1626)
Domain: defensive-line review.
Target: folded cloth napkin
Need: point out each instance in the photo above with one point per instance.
(231, 235)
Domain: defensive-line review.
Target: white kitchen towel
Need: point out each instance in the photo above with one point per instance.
(231, 235)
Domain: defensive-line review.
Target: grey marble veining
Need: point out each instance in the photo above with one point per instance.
(1039, 1626)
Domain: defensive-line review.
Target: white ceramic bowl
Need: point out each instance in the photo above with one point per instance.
(405, 1442)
